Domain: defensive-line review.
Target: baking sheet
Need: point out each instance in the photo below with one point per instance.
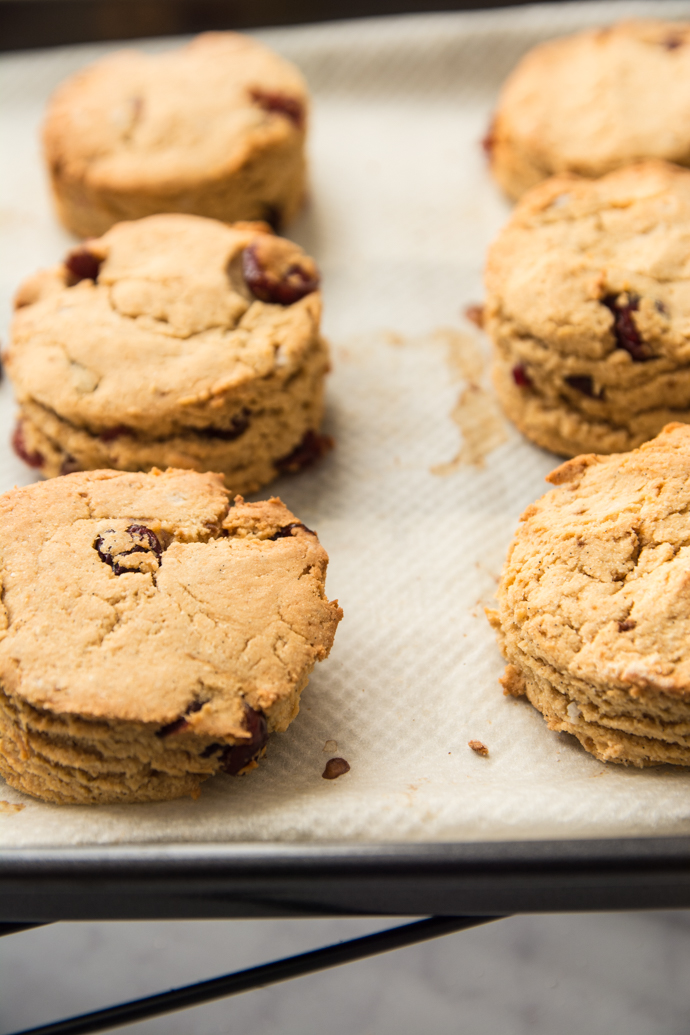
(417, 504)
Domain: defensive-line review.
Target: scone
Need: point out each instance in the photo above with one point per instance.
(593, 102)
(151, 634)
(594, 603)
(588, 306)
(215, 128)
(172, 341)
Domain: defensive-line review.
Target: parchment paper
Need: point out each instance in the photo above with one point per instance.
(416, 519)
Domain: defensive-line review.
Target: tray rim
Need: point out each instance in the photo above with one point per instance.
(278, 880)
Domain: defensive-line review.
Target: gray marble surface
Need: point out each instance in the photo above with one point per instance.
(542, 975)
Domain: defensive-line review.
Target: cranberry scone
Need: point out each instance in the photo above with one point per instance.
(594, 102)
(593, 613)
(172, 341)
(151, 634)
(215, 128)
(588, 307)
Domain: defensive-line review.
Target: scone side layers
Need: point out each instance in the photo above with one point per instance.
(151, 635)
(587, 307)
(593, 613)
(179, 341)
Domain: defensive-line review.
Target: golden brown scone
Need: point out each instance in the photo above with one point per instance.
(172, 341)
(588, 307)
(594, 603)
(593, 102)
(215, 128)
(150, 635)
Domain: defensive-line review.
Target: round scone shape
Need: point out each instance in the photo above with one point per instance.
(152, 634)
(594, 102)
(172, 341)
(588, 307)
(215, 128)
(594, 609)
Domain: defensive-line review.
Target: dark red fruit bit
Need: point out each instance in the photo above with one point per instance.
(236, 756)
(145, 540)
(294, 283)
(110, 434)
(82, 265)
(489, 141)
(521, 377)
(624, 328)
(286, 530)
(281, 103)
(181, 724)
(673, 42)
(335, 767)
(238, 425)
(33, 459)
(627, 625)
(581, 383)
(312, 448)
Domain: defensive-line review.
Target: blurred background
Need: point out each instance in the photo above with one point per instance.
(529, 975)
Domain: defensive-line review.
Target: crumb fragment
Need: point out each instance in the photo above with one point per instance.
(8, 807)
(335, 767)
(475, 314)
(330, 746)
(478, 748)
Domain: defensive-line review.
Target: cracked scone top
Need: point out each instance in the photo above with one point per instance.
(588, 307)
(172, 341)
(152, 635)
(594, 102)
(594, 603)
(215, 128)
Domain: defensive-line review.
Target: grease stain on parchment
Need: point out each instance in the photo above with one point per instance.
(476, 412)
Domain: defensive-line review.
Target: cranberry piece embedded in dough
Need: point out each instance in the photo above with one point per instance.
(236, 757)
(82, 265)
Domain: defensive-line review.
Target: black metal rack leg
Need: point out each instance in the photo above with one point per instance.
(257, 977)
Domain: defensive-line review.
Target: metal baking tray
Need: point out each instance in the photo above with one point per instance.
(568, 863)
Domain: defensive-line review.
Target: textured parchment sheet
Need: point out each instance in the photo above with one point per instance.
(415, 517)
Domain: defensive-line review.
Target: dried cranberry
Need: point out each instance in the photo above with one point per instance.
(110, 434)
(33, 459)
(181, 724)
(144, 538)
(627, 625)
(312, 447)
(294, 282)
(672, 42)
(581, 383)
(238, 425)
(212, 749)
(335, 767)
(624, 328)
(521, 377)
(82, 265)
(286, 531)
(291, 107)
(236, 756)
